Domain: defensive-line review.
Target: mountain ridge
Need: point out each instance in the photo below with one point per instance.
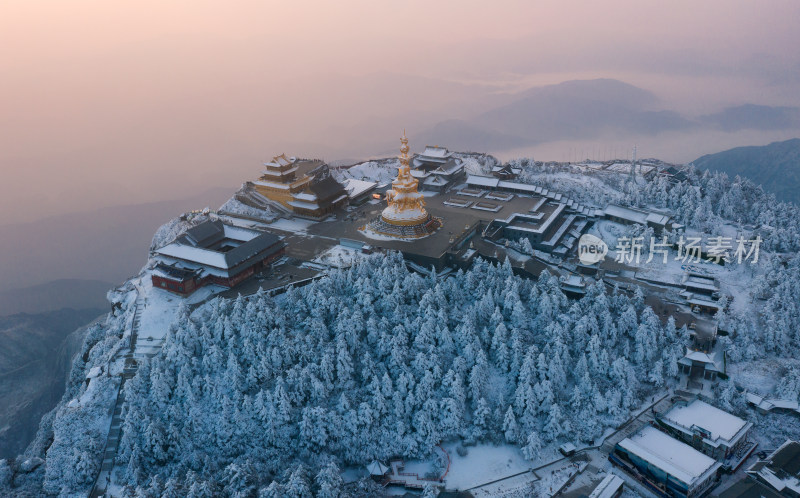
(775, 166)
(591, 109)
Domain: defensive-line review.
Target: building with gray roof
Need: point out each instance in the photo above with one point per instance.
(213, 252)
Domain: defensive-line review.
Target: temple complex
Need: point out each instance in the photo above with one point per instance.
(437, 169)
(301, 187)
(405, 216)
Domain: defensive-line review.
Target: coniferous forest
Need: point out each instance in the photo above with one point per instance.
(375, 361)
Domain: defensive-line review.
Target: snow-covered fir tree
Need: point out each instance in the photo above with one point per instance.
(321, 377)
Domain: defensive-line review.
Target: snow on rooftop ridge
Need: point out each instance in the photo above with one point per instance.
(305, 196)
(483, 181)
(355, 187)
(607, 487)
(436, 151)
(241, 234)
(197, 254)
(626, 213)
(281, 160)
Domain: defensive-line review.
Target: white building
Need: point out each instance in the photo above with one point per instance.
(668, 464)
(715, 432)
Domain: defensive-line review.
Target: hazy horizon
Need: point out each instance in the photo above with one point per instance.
(108, 104)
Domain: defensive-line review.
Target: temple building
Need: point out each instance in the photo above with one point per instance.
(214, 253)
(437, 169)
(405, 216)
(506, 172)
(301, 187)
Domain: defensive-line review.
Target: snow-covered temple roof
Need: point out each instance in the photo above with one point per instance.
(218, 245)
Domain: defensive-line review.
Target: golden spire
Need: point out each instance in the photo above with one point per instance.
(404, 151)
(405, 215)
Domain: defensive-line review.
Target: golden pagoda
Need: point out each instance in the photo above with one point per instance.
(405, 216)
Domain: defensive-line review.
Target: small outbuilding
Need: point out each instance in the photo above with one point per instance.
(377, 470)
(610, 487)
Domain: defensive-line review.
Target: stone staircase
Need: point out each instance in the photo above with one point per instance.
(129, 370)
(250, 197)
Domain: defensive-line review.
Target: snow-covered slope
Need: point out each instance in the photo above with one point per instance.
(295, 394)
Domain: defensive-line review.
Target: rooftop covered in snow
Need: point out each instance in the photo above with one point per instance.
(608, 487)
(435, 152)
(638, 216)
(781, 469)
(717, 426)
(218, 245)
(356, 188)
(679, 460)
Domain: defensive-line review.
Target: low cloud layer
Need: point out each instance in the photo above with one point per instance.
(107, 104)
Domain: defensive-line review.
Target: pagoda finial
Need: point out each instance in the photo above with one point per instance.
(405, 215)
(404, 153)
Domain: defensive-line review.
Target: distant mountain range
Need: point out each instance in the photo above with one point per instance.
(34, 361)
(775, 166)
(588, 109)
(754, 117)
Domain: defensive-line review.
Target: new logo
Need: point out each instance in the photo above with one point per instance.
(591, 249)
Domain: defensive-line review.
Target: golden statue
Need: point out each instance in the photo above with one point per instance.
(405, 216)
(406, 205)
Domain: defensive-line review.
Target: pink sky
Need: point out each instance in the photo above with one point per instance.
(109, 103)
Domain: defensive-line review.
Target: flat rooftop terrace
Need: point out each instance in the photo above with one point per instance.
(306, 239)
(455, 222)
(670, 455)
(720, 424)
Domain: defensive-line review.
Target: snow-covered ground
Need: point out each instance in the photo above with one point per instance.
(159, 311)
(592, 188)
(761, 376)
(552, 482)
(295, 225)
(475, 165)
(339, 256)
(734, 277)
(483, 463)
(235, 207)
(377, 236)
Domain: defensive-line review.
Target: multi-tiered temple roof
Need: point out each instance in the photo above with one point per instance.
(437, 169)
(305, 188)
